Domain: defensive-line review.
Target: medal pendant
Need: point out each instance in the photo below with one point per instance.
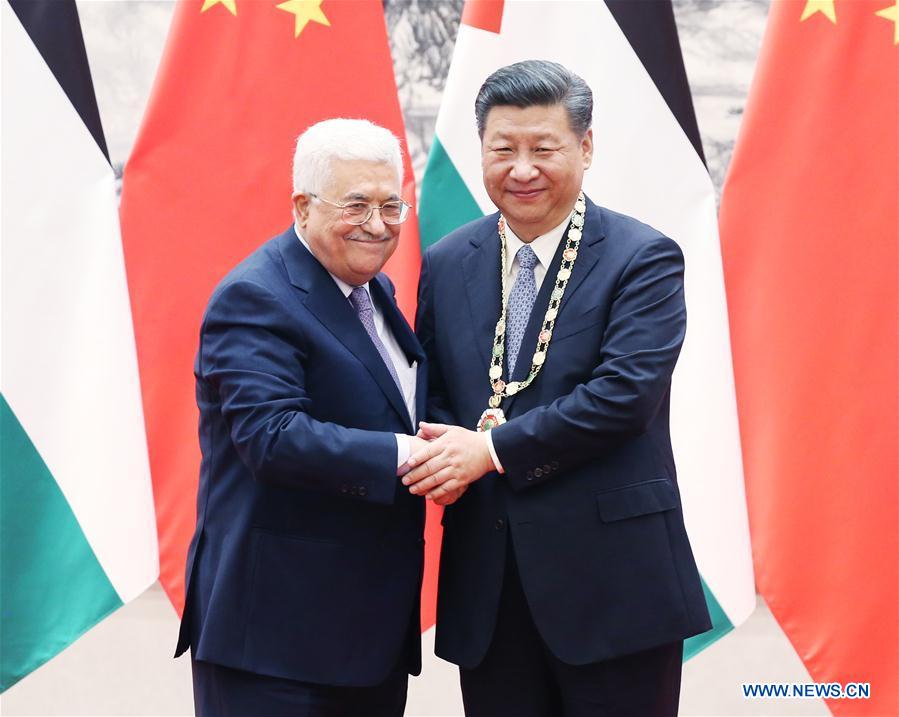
(491, 418)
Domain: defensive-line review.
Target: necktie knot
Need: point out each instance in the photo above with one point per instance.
(360, 299)
(527, 259)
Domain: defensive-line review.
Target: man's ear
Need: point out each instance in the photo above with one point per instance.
(301, 204)
(587, 148)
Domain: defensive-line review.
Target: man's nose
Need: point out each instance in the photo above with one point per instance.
(375, 224)
(523, 169)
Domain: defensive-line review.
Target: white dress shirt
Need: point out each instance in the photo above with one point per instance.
(406, 372)
(544, 247)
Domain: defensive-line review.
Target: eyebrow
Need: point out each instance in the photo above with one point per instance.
(542, 137)
(360, 197)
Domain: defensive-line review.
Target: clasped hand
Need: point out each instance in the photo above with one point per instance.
(442, 469)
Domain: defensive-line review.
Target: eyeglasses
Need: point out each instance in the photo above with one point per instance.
(393, 212)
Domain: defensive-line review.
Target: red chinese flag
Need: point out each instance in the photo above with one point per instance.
(209, 180)
(809, 225)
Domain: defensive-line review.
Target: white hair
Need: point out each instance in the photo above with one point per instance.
(352, 139)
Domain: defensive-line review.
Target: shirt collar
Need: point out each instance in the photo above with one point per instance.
(544, 246)
(347, 289)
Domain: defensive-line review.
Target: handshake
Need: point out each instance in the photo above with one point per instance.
(444, 461)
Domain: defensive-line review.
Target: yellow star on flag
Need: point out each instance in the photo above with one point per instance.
(823, 6)
(892, 13)
(305, 11)
(230, 4)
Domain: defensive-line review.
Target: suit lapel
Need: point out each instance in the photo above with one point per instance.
(481, 270)
(398, 325)
(328, 304)
(588, 253)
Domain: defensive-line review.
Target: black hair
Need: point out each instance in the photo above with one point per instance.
(536, 82)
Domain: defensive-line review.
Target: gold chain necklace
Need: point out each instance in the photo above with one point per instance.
(494, 416)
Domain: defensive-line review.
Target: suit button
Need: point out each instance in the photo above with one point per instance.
(546, 468)
(363, 490)
(344, 489)
(538, 472)
(500, 524)
(555, 465)
(529, 475)
(353, 491)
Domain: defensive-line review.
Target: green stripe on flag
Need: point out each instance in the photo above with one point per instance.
(446, 204)
(721, 625)
(52, 586)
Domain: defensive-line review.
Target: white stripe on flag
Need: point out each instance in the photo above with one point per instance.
(69, 360)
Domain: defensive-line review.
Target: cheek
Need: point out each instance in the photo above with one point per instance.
(573, 171)
(560, 175)
(318, 226)
(493, 174)
(494, 164)
(334, 243)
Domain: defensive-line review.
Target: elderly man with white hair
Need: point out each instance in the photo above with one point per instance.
(304, 572)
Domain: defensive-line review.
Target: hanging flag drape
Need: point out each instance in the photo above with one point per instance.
(810, 227)
(77, 530)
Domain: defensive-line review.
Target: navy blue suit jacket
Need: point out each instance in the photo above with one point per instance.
(589, 497)
(306, 563)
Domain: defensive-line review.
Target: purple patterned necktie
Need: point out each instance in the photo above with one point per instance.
(521, 301)
(360, 300)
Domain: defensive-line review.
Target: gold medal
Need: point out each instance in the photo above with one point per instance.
(491, 418)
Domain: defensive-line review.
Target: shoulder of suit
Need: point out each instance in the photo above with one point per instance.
(458, 241)
(618, 227)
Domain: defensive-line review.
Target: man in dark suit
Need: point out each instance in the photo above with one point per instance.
(304, 572)
(567, 584)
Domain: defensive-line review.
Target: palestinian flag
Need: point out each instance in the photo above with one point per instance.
(77, 526)
(810, 233)
(648, 163)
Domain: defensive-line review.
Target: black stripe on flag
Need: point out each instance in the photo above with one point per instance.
(55, 30)
(652, 32)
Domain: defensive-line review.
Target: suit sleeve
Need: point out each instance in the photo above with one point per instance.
(625, 391)
(252, 357)
(438, 407)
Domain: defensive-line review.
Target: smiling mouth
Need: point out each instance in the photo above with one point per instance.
(368, 240)
(525, 193)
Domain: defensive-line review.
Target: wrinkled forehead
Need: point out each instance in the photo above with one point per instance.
(362, 180)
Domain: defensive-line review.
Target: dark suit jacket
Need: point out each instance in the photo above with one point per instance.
(306, 563)
(589, 496)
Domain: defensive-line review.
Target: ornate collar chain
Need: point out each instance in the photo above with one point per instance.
(494, 416)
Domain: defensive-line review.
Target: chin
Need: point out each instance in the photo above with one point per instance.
(532, 215)
(366, 271)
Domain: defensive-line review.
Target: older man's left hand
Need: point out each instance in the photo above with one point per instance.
(454, 458)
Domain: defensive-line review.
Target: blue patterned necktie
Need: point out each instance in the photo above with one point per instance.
(361, 301)
(521, 301)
